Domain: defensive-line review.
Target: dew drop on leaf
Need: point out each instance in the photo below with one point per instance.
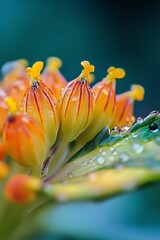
(100, 160)
(137, 148)
(85, 162)
(125, 129)
(153, 127)
(70, 175)
(124, 157)
(139, 120)
(104, 153)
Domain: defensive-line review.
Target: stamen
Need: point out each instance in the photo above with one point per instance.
(114, 73)
(87, 69)
(137, 92)
(34, 71)
(53, 64)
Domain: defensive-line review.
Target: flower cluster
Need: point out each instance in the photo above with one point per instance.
(40, 112)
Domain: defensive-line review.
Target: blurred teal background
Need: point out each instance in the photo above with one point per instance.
(121, 33)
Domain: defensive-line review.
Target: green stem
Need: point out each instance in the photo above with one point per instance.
(10, 219)
(59, 158)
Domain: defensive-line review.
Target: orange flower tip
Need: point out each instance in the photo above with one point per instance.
(22, 188)
(34, 71)
(12, 106)
(137, 92)
(114, 73)
(87, 69)
(4, 170)
(13, 65)
(53, 64)
(23, 62)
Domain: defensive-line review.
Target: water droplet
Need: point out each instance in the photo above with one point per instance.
(104, 153)
(137, 148)
(153, 127)
(134, 135)
(111, 159)
(115, 131)
(124, 157)
(113, 151)
(70, 175)
(125, 129)
(91, 160)
(154, 112)
(139, 120)
(85, 162)
(74, 99)
(100, 160)
(62, 91)
(94, 94)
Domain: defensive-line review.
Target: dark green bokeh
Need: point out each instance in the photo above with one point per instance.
(121, 33)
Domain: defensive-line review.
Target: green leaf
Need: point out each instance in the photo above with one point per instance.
(117, 163)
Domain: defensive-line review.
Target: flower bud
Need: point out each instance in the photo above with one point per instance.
(22, 188)
(77, 105)
(105, 102)
(52, 77)
(124, 106)
(23, 138)
(13, 71)
(40, 103)
(16, 80)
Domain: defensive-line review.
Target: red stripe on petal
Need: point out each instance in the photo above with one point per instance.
(109, 93)
(124, 109)
(37, 105)
(103, 86)
(50, 105)
(89, 102)
(69, 99)
(80, 99)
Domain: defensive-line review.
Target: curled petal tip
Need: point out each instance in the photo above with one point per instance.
(53, 64)
(137, 92)
(23, 62)
(114, 73)
(87, 69)
(34, 71)
(22, 188)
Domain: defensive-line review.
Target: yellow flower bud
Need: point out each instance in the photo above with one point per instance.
(77, 105)
(40, 103)
(124, 106)
(52, 77)
(105, 103)
(23, 138)
(22, 188)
